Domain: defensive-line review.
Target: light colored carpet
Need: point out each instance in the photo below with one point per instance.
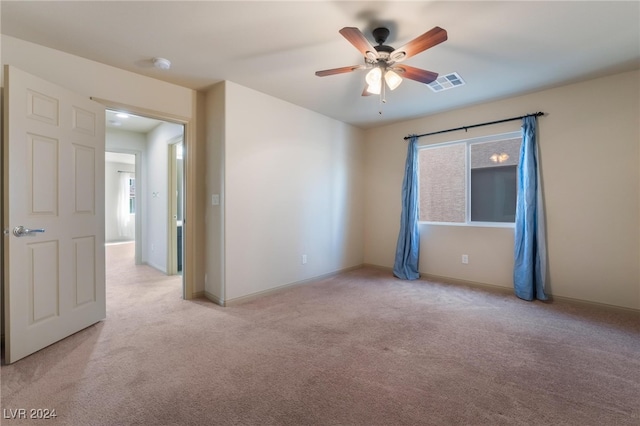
(361, 348)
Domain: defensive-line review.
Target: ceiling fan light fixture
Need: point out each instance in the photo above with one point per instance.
(374, 77)
(393, 79)
(374, 89)
(374, 81)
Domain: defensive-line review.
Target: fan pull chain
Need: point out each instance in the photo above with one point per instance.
(383, 99)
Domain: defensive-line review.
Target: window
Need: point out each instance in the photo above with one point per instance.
(470, 181)
(132, 195)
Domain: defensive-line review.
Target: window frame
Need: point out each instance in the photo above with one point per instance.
(132, 195)
(467, 190)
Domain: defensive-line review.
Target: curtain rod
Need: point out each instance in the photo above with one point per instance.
(535, 114)
(124, 171)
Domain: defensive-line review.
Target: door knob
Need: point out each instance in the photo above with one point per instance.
(21, 231)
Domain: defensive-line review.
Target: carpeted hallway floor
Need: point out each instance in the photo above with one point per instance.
(361, 348)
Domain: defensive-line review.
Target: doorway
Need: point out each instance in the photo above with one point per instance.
(148, 140)
(176, 206)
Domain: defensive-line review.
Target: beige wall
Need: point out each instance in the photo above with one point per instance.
(97, 80)
(293, 182)
(157, 194)
(215, 130)
(589, 144)
(292, 186)
(124, 88)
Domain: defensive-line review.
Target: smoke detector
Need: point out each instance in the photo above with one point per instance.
(161, 63)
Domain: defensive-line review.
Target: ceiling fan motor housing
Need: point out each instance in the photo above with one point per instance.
(380, 36)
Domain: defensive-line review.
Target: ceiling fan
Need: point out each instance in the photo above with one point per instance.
(384, 61)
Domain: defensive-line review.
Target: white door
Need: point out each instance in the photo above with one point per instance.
(54, 277)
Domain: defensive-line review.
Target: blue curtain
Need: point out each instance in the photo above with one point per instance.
(530, 250)
(408, 248)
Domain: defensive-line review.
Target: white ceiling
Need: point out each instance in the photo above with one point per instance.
(117, 157)
(130, 122)
(500, 49)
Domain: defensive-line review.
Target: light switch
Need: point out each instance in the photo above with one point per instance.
(215, 199)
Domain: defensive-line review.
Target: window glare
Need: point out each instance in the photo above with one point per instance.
(504, 152)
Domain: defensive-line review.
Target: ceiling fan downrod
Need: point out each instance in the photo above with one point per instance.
(380, 36)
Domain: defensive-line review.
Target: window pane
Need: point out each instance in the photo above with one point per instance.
(132, 196)
(442, 183)
(493, 194)
(493, 180)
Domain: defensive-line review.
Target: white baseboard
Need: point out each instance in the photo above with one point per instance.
(507, 290)
(426, 277)
(213, 298)
(118, 243)
(599, 305)
(243, 299)
(155, 267)
(476, 284)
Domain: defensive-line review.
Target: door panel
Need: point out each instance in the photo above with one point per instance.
(84, 179)
(85, 270)
(42, 159)
(53, 182)
(44, 287)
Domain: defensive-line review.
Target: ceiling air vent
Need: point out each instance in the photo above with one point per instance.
(446, 82)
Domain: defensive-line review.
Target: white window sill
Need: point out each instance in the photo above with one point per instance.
(473, 224)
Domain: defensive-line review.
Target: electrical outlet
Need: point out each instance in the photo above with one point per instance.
(465, 259)
(304, 259)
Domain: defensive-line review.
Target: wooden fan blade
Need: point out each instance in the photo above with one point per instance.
(433, 37)
(341, 70)
(359, 41)
(364, 91)
(417, 74)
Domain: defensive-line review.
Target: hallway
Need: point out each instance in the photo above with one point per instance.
(128, 283)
